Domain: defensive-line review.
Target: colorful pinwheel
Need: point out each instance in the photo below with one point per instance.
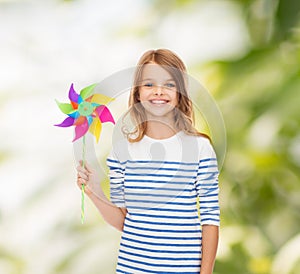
(87, 112)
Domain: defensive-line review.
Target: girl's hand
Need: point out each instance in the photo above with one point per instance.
(86, 176)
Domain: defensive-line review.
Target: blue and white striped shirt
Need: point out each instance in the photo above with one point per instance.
(159, 182)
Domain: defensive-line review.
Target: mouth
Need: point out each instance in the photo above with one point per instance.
(159, 102)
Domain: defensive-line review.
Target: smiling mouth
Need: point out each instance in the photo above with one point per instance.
(159, 102)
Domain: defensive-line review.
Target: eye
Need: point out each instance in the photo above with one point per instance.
(148, 85)
(170, 85)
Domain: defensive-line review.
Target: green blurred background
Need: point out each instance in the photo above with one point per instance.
(245, 52)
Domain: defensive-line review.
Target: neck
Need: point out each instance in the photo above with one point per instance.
(160, 130)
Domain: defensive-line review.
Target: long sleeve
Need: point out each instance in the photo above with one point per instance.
(207, 186)
(116, 176)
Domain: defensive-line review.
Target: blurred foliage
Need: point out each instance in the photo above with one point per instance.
(258, 94)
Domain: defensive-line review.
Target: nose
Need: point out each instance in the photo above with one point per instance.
(158, 90)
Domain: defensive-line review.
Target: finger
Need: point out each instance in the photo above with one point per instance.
(82, 173)
(81, 182)
(83, 176)
(88, 167)
(82, 163)
(80, 169)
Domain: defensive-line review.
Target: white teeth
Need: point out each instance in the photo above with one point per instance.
(158, 101)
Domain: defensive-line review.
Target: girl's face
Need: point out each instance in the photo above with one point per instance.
(157, 92)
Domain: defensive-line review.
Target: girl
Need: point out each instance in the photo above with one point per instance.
(156, 176)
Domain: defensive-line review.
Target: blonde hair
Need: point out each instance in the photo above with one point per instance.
(183, 112)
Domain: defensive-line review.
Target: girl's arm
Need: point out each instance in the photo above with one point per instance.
(207, 186)
(113, 215)
(210, 238)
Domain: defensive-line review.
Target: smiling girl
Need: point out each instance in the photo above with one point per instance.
(158, 173)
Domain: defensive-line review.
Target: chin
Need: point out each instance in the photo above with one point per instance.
(160, 114)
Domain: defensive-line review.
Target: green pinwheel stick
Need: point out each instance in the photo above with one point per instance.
(86, 111)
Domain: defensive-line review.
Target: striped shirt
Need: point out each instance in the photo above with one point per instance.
(159, 182)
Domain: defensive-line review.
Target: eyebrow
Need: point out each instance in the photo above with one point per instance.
(155, 79)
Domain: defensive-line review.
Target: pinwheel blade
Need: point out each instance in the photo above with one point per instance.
(80, 130)
(90, 119)
(86, 92)
(101, 99)
(64, 107)
(67, 122)
(74, 114)
(80, 120)
(95, 128)
(104, 114)
(73, 96)
(74, 105)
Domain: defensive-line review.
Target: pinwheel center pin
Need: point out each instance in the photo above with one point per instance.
(85, 108)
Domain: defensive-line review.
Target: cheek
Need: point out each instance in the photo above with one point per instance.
(143, 95)
(175, 99)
